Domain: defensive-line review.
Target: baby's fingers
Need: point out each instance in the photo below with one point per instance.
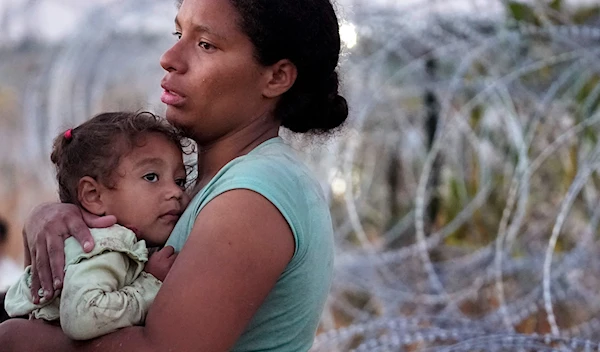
(167, 252)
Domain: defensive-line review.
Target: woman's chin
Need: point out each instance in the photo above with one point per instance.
(176, 118)
(172, 114)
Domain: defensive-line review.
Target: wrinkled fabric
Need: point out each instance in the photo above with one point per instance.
(103, 290)
(9, 272)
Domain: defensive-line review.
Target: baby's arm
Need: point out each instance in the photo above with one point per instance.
(95, 300)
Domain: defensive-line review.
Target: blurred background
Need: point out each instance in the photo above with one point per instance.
(465, 188)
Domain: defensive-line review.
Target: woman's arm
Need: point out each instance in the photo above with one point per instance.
(95, 300)
(237, 250)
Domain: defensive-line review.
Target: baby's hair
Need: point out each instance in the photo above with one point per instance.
(96, 147)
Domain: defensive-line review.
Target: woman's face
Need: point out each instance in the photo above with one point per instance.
(213, 86)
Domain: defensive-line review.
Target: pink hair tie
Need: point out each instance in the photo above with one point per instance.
(69, 134)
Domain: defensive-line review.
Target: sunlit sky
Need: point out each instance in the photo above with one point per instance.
(53, 19)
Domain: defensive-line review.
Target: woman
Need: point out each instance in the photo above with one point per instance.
(256, 242)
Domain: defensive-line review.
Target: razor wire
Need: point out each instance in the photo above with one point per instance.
(464, 189)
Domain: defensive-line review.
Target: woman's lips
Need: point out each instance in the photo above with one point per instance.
(171, 98)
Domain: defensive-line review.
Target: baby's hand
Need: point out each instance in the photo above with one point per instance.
(160, 262)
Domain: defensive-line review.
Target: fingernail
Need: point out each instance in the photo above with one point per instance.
(56, 283)
(87, 246)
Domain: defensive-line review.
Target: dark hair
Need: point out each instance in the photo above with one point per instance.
(96, 147)
(3, 230)
(306, 33)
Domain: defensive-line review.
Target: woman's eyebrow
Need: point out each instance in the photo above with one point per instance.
(200, 29)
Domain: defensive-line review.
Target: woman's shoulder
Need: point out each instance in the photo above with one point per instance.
(274, 171)
(273, 161)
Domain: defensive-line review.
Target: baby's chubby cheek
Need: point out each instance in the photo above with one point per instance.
(185, 200)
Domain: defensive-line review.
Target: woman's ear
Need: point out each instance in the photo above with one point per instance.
(89, 195)
(282, 76)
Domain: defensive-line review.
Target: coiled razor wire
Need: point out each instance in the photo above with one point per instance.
(464, 190)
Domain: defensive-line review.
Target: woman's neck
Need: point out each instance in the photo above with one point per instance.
(212, 157)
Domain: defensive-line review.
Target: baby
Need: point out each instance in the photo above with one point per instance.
(129, 165)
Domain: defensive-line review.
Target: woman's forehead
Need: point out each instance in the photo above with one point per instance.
(198, 8)
(215, 16)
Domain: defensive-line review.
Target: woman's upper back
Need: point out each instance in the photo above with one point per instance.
(288, 318)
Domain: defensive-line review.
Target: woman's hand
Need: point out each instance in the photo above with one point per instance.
(44, 234)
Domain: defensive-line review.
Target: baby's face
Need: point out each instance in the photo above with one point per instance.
(149, 194)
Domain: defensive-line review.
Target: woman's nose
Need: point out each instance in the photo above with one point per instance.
(172, 60)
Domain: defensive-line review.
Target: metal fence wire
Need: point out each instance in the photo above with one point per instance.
(464, 190)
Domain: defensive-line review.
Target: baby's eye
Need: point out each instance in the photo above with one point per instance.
(151, 177)
(180, 182)
(177, 34)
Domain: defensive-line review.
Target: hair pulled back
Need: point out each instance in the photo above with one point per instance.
(96, 147)
(306, 33)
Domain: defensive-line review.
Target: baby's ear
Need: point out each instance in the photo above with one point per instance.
(89, 195)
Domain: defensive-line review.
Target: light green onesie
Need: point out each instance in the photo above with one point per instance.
(288, 319)
(104, 290)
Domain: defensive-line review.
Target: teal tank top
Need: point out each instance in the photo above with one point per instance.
(288, 319)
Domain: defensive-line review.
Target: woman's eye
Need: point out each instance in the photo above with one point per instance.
(205, 46)
(151, 177)
(177, 34)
